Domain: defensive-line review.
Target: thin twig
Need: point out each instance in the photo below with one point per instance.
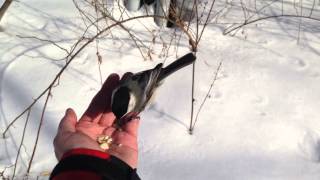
(192, 99)
(208, 94)
(39, 129)
(268, 17)
(44, 40)
(21, 143)
(99, 57)
(4, 8)
(206, 22)
(313, 7)
(4, 171)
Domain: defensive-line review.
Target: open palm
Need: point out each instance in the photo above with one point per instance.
(96, 121)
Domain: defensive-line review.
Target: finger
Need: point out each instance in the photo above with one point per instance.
(109, 131)
(101, 102)
(132, 126)
(107, 89)
(126, 76)
(90, 129)
(68, 122)
(108, 117)
(125, 139)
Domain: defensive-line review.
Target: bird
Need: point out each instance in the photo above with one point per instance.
(134, 91)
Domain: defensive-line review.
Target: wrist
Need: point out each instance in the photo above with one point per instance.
(86, 151)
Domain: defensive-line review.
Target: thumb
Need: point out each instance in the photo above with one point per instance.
(68, 122)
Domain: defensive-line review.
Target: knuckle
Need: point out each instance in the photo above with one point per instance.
(55, 140)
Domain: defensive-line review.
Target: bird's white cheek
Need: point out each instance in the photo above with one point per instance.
(132, 103)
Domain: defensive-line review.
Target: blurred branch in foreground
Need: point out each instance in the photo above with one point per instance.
(4, 8)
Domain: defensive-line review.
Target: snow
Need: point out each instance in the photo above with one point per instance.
(261, 121)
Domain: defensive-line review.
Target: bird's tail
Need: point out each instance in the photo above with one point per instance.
(176, 65)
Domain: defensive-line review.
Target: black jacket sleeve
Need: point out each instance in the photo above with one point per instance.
(91, 167)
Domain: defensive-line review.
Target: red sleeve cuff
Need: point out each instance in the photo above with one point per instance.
(88, 152)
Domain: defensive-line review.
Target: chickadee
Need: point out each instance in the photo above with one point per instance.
(133, 93)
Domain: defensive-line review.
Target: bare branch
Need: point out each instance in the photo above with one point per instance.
(39, 128)
(45, 40)
(207, 95)
(4, 8)
(21, 143)
(268, 17)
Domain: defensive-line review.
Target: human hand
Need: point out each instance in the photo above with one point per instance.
(96, 121)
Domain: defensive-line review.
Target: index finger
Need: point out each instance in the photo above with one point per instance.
(108, 118)
(101, 103)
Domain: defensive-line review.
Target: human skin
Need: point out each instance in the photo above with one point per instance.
(96, 121)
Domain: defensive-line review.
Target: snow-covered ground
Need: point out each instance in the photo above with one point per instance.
(262, 119)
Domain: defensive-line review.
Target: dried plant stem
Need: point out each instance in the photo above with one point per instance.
(3, 172)
(228, 31)
(207, 95)
(198, 38)
(4, 8)
(45, 40)
(39, 130)
(21, 143)
(206, 22)
(23, 112)
(106, 15)
(192, 99)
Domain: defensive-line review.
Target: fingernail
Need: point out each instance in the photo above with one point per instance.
(137, 118)
(69, 109)
(114, 75)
